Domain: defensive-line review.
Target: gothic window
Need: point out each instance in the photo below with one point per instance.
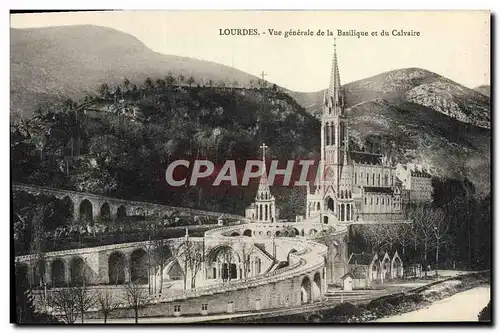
(350, 194)
(371, 201)
(382, 201)
(377, 201)
(260, 212)
(356, 178)
(333, 135)
(327, 134)
(378, 179)
(367, 179)
(365, 200)
(348, 212)
(386, 180)
(342, 212)
(318, 206)
(373, 178)
(265, 210)
(392, 180)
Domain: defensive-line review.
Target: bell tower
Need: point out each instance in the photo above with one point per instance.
(334, 139)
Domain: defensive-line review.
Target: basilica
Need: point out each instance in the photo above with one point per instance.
(354, 186)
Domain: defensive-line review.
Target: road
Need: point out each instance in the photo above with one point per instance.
(464, 306)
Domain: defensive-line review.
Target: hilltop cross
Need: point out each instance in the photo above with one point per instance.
(262, 75)
(264, 151)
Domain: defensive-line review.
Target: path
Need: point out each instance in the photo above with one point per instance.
(464, 306)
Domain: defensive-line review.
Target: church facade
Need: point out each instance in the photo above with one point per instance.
(353, 186)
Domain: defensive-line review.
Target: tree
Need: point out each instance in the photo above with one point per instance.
(64, 302)
(126, 84)
(247, 249)
(404, 235)
(190, 81)
(104, 91)
(191, 253)
(148, 84)
(85, 298)
(161, 254)
(136, 297)
(106, 303)
(440, 229)
(170, 80)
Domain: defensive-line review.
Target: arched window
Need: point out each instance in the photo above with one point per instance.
(386, 180)
(365, 200)
(348, 213)
(356, 178)
(327, 134)
(373, 178)
(367, 179)
(265, 210)
(333, 135)
(378, 179)
(342, 212)
(318, 206)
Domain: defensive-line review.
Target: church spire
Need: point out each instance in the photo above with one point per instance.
(263, 191)
(334, 98)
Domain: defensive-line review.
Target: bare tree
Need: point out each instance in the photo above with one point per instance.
(85, 298)
(107, 303)
(440, 230)
(390, 234)
(64, 303)
(247, 249)
(136, 297)
(374, 236)
(161, 254)
(404, 235)
(192, 254)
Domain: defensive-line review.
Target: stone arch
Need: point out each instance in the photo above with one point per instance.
(278, 233)
(312, 232)
(117, 267)
(247, 232)
(305, 290)
(386, 268)
(139, 211)
(78, 271)
(86, 211)
(316, 287)
(397, 267)
(68, 202)
(105, 212)
(235, 233)
(224, 261)
(121, 212)
(172, 271)
(289, 253)
(139, 266)
(58, 273)
(296, 231)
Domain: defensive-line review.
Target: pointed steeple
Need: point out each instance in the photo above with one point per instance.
(263, 192)
(334, 98)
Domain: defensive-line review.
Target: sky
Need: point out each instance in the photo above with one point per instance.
(455, 44)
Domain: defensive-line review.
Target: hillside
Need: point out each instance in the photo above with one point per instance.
(129, 135)
(411, 132)
(484, 89)
(413, 85)
(54, 63)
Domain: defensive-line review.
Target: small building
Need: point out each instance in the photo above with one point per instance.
(365, 268)
(347, 282)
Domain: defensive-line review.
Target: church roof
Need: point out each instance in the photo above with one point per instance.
(420, 173)
(384, 190)
(361, 258)
(365, 158)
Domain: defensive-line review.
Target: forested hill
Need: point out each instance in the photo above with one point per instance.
(129, 133)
